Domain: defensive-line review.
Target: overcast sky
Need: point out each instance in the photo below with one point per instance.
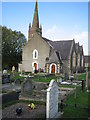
(59, 20)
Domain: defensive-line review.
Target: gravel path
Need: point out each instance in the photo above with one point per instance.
(10, 112)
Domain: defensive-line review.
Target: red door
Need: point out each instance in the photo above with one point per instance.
(53, 69)
(35, 65)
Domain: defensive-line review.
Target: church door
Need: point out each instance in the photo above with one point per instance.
(35, 65)
(53, 69)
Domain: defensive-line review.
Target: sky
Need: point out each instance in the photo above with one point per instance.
(59, 20)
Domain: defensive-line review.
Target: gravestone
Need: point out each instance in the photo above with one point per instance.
(65, 78)
(27, 78)
(26, 87)
(83, 85)
(11, 78)
(5, 79)
(40, 86)
(13, 69)
(4, 72)
(87, 78)
(59, 79)
(17, 81)
(52, 100)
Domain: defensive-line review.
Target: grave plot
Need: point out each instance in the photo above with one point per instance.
(35, 91)
(10, 112)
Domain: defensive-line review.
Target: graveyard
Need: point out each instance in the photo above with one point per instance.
(45, 71)
(19, 90)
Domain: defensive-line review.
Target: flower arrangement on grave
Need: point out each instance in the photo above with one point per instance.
(31, 106)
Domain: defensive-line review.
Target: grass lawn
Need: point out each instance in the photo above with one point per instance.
(81, 110)
(19, 77)
(37, 78)
(43, 79)
(82, 76)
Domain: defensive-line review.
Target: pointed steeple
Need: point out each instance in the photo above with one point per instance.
(29, 31)
(35, 24)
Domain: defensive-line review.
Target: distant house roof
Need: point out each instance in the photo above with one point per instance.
(62, 46)
(87, 59)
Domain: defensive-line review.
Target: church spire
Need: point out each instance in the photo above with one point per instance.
(35, 24)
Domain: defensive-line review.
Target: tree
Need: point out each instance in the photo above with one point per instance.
(12, 43)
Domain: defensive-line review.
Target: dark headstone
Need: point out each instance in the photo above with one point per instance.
(17, 81)
(5, 79)
(65, 76)
(27, 78)
(11, 78)
(26, 87)
(83, 85)
(61, 105)
(8, 76)
(40, 86)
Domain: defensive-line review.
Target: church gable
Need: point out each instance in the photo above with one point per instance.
(54, 58)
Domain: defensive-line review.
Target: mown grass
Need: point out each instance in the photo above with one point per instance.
(82, 76)
(81, 109)
(43, 79)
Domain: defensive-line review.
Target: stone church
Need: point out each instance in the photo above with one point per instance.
(42, 54)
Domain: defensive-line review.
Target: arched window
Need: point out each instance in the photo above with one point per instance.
(35, 54)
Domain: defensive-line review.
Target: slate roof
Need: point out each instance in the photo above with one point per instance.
(64, 47)
(87, 59)
(47, 40)
(61, 46)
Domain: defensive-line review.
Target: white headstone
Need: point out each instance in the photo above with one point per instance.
(52, 100)
(4, 72)
(13, 68)
(59, 80)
